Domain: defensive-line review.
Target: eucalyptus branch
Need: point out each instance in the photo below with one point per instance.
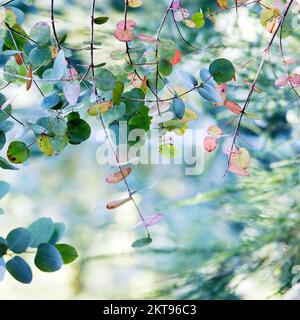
(92, 68)
(23, 61)
(283, 61)
(249, 97)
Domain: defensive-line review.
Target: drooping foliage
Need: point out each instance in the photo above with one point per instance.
(74, 88)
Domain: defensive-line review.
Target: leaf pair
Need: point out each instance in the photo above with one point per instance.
(211, 141)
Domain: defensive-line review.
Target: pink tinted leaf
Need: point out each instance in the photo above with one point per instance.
(294, 80)
(281, 81)
(124, 35)
(239, 171)
(239, 162)
(181, 14)
(71, 91)
(71, 88)
(146, 38)
(210, 143)
(130, 25)
(176, 4)
(289, 61)
(150, 220)
(118, 176)
(135, 80)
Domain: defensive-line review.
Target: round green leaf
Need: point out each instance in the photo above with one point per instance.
(68, 253)
(41, 231)
(48, 258)
(17, 152)
(3, 246)
(78, 131)
(199, 19)
(18, 240)
(166, 49)
(133, 106)
(222, 70)
(165, 67)
(19, 269)
(104, 79)
(40, 33)
(73, 115)
(143, 242)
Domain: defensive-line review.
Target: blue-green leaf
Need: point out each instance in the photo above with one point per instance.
(206, 77)
(41, 231)
(143, 242)
(178, 108)
(59, 230)
(59, 66)
(4, 188)
(18, 240)
(104, 79)
(48, 258)
(2, 139)
(50, 101)
(19, 269)
(39, 56)
(40, 32)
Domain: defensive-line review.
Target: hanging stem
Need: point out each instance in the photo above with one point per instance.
(92, 68)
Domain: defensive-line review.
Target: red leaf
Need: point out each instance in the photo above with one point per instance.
(176, 58)
(29, 75)
(18, 58)
(233, 107)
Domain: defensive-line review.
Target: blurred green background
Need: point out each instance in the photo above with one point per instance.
(221, 238)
